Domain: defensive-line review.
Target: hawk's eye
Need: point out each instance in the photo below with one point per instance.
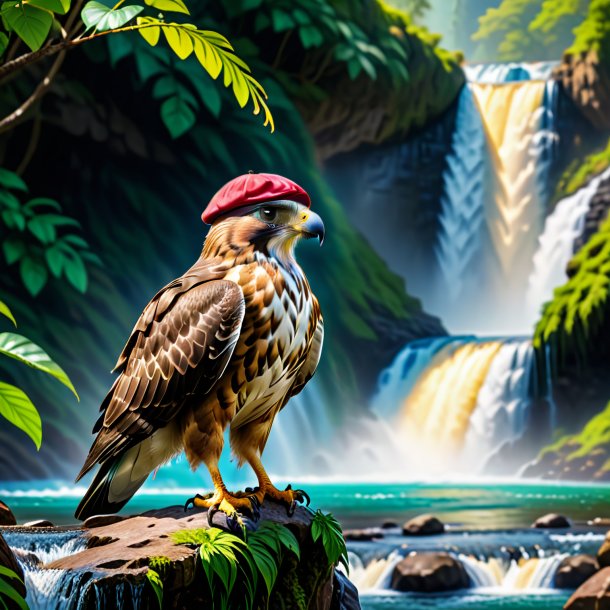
(268, 214)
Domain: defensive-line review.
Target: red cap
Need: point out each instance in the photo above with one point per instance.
(250, 189)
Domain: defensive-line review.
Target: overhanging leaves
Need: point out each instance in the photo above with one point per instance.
(171, 6)
(30, 23)
(22, 349)
(18, 409)
(216, 55)
(5, 311)
(102, 18)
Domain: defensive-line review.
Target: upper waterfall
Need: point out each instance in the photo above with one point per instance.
(495, 196)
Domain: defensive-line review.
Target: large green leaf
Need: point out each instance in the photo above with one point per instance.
(157, 584)
(172, 6)
(11, 180)
(34, 274)
(5, 311)
(30, 23)
(56, 6)
(177, 116)
(76, 273)
(19, 410)
(3, 43)
(13, 249)
(7, 589)
(22, 349)
(102, 18)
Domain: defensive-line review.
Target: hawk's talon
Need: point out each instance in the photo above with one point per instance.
(211, 512)
(303, 497)
(255, 510)
(192, 501)
(291, 508)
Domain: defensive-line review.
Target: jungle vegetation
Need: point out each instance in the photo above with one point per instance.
(129, 179)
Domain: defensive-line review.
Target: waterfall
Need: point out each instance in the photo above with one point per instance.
(510, 72)
(500, 574)
(48, 589)
(462, 203)
(502, 411)
(495, 195)
(522, 575)
(451, 403)
(556, 244)
(397, 381)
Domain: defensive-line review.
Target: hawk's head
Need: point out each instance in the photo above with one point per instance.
(264, 211)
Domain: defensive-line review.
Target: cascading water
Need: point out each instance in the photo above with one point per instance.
(495, 195)
(457, 401)
(47, 589)
(556, 244)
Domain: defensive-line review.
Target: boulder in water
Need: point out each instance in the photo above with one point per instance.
(603, 555)
(430, 573)
(552, 521)
(117, 557)
(424, 525)
(389, 525)
(39, 523)
(363, 535)
(101, 520)
(6, 515)
(574, 571)
(593, 594)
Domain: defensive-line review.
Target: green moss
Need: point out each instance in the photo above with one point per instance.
(593, 34)
(160, 564)
(579, 172)
(189, 536)
(575, 323)
(594, 436)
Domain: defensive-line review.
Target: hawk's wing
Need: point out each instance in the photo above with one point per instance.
(180, 346)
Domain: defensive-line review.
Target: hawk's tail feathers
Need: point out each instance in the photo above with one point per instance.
(112, 487)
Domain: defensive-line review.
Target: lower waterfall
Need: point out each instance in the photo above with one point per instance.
(452, 403)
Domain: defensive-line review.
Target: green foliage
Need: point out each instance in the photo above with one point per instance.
(18, 409)
(8, 593)
(594, 32)
(22, 349)
(15, 406)
(30, 23)
(527, 29)
(595, 435)
(574, 322)
(5, 311)
(103, 18)
(235, 569)
(580, 172)
(40, 240)
(327, 529)
(156, 583)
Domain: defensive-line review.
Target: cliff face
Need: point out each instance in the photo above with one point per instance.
(392, 193)
(574, 327)
(585, 78)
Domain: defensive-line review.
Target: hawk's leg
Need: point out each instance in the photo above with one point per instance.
(222, 500)
(290, 497)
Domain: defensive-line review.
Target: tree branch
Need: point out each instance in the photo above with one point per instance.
(8, 121)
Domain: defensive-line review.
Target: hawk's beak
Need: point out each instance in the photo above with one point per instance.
(312, 226)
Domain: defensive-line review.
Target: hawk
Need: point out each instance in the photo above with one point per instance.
(226, 344)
